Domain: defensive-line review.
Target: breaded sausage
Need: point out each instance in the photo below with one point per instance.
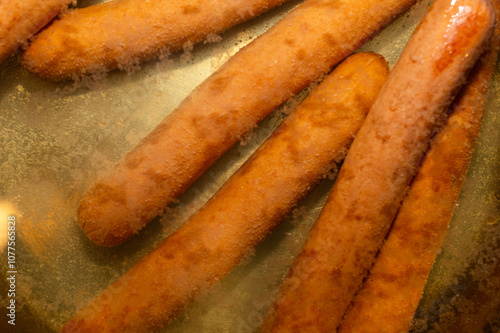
(21, 19)
(379, 166)
(390, 295)
(246, 208)
(119, 33)
(302, 47)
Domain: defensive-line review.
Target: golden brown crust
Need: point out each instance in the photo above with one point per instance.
(233, 100)
(391, 293)
(343, 242)
(247, 207)
(21, 19)
(122, 33)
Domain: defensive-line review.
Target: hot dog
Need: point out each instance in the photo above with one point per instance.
(251, 203)
(390, 295)
(264, 74)
(20, 20)
(379, 166)
(123, 32)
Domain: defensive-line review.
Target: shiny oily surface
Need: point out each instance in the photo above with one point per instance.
(56, 138)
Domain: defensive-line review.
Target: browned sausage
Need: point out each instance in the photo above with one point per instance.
(121, 33)
(383, 158)
(21, 19)
(246, 208)
(277, 65)
(390, 295)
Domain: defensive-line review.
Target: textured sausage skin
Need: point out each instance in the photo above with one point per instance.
(21, 19)
(261, 76)
(246, 208)
(390, 295)
(379, 166)
(121, 33)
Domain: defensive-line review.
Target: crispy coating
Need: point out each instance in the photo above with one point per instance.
(246, 208)
(121, 33)
(390, 295)
(301, 48)
(21, 19)
(381, 162)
